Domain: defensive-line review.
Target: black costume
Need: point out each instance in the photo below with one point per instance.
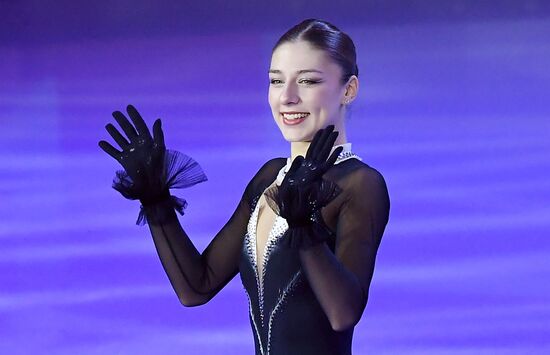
(347, 207)
(285, 315)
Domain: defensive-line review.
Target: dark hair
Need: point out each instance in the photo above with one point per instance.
(327, 37)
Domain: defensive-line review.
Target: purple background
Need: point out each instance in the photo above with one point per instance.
(453, 111)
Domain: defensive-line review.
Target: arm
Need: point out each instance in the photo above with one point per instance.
(341, 281)
(149, 172)
(196, 277)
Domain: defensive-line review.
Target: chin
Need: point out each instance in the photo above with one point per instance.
(304, 134)
(297, 136)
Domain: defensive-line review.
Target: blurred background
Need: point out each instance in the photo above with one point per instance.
(453, 110)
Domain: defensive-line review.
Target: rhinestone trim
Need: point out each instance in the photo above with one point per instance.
(343, 156)
(280, 302)
(250, 241)
(251, 312)
(278, 229)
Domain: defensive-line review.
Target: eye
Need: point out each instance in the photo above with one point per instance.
(309, 81)
(275, 81)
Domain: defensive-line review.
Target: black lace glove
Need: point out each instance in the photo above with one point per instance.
(150, 170)
(303, 192)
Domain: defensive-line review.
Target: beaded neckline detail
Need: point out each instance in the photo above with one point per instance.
(344, 155)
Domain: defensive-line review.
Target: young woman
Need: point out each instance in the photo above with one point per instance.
(305, 234)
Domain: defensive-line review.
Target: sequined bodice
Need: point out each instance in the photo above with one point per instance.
(284, 312)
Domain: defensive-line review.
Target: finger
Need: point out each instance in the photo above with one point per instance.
(157, 133)
(313, 144)
(293, 167)
(332, 159)
(109, 149)
(138, 121)
(318, 157)
(295, 164)
(125, 125)
(329, 143)
(119, 138)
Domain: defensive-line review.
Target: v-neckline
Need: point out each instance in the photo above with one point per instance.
(264, 255)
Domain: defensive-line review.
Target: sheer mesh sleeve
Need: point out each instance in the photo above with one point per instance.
(361, 223)
(221, 257)
(197, 277)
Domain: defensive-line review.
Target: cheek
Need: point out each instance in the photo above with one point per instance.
(271, 98)
(274, 105)
(324, 100)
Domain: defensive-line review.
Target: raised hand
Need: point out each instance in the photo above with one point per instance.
(150, 170)
(303, 171)
(303, 192)
(141, 155)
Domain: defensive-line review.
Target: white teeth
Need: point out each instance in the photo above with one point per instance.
(294, 116)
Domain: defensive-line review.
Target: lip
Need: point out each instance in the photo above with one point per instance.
(293, 122)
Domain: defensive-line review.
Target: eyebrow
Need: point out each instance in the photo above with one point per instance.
(276, 71)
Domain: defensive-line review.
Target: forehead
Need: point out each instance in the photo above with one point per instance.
(291, 57)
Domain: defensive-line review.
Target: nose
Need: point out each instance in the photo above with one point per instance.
(289, 94)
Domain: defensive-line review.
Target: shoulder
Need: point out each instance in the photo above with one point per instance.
(365, 190)
(274, 163)
(363, 185)
(264, 176)
(270, 169)
(357, 175)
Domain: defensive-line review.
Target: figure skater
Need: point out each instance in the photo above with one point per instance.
(305, 234)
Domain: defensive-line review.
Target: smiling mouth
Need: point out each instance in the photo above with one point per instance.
(294, 118)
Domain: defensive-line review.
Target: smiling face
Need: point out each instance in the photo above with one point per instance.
(305, 91)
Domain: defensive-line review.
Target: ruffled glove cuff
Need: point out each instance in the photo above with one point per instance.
(179, 171)
(309, 228)
(306, 236)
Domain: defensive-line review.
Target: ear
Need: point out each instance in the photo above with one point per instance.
(352, 88)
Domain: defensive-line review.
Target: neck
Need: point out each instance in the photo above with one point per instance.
(300, 148)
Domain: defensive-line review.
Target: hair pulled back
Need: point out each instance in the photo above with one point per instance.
(325, 36)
